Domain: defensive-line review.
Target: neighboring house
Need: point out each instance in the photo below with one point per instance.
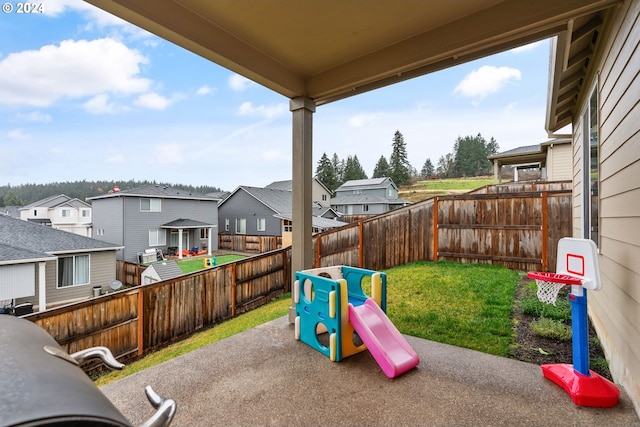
(61, 212)
(594, 87)
(553, 158)
(12, 211)
(267, 211)
(159, 271)
(319, 192)
(46, 267)
(156, 217)
(367, 197)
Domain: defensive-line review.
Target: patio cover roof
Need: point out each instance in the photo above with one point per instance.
(332, 49)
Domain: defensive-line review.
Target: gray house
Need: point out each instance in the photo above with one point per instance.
(267, 212)
(45, 267)
(367, 197)
(319, 192)
(154, 220)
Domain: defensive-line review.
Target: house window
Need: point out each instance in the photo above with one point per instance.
(66, 213)
(157, 237)
(590, 169)
(150, 205)
(226, 224)
(35, 212)
(85, 213)
(204, 233)
(241, 226)
(73, 270)
(357, 191)
(175, 239)
(262, 224)
(324, 197)
(365, 208)
(287, 226)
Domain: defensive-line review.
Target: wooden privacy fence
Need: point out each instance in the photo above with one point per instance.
(518, 230)
(141, 319)
(249, 244)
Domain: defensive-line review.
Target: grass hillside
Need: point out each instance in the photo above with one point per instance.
(422, 190)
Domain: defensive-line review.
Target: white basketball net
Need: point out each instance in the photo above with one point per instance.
(548, 291)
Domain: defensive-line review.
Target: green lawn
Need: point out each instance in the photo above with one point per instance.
(467, 305)
(453, 184)
(196, 264)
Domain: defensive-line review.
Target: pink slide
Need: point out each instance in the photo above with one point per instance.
(386, 344)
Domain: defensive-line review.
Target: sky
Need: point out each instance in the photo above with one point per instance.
(87, 96)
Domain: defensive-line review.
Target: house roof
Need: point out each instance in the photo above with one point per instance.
(366, 184)
(186, 223)
(570, 62)
(279, 201)
(167, 269)
(288, 185)
(13, 255)
(317, 221)
(46, 240)
(57, 201)
(159, 191)
(332, 49)
(536, 153)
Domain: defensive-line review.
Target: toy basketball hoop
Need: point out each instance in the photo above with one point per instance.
(549, 284)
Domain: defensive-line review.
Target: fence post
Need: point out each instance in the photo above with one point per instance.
(435, 229)
(545, 231)
(318, 250)
(141, 321)
(360, 245)
(233, 290)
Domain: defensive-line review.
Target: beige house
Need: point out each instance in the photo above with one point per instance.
(553, 158)
(595, 87)
(318, 52)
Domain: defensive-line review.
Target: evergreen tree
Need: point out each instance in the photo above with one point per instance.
(470, 156)
(382, 169)
(338, 169)
(326, 174)
(399, 164)
(427, 169)
(353, 169)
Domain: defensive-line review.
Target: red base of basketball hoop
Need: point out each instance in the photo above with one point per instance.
(594, 390)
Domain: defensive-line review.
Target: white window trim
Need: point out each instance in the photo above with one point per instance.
(59, 286)
(261, 224)
(155, 204)
(160, 237)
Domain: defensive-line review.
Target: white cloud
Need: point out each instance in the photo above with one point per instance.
(72, 69)
(266, 111)
(35, 116)
(100, 105)
(487, 80)
(239, 83)
(153, 101)
(204, 90)
(18, 135)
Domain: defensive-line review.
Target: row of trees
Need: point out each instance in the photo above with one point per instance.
(22, 195)
(333, 172)
(469, 158)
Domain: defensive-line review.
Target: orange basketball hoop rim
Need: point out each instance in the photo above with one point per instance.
(564, 279)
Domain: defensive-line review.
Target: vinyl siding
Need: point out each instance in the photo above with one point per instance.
(615, 310)
(560, 160)
(126, 225)
(243, 205)
(102, 267)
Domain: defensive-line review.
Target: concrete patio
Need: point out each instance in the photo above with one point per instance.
(265, 377)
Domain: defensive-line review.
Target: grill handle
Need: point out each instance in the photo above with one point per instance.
(102, 353)
(166, 408)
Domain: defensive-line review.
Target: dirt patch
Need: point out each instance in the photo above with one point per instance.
(533, 348)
